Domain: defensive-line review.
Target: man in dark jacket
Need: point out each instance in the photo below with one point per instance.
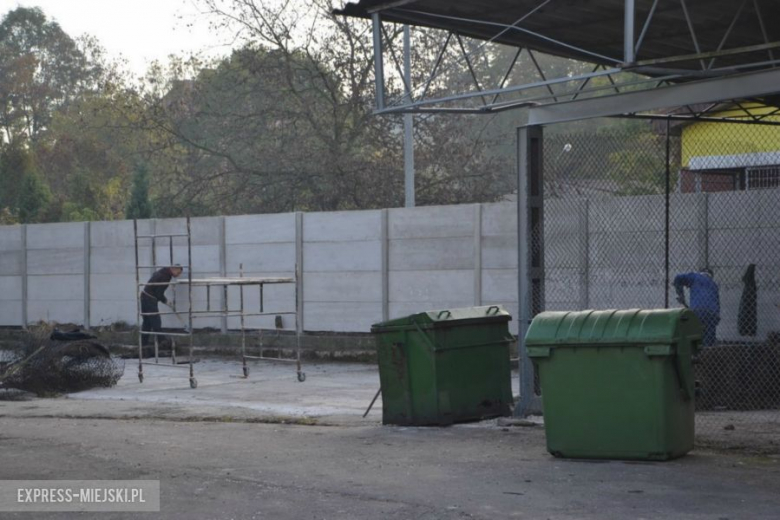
(705, 300)
(152, 294)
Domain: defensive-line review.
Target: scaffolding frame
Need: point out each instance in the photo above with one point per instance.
(223, 283)
(153, 236)
(242, 283)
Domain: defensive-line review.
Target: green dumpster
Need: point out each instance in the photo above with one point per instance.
(616, 384)
(442, 367)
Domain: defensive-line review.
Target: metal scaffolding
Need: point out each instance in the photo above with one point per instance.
(153, 237)
(242, 283)
(224, 311)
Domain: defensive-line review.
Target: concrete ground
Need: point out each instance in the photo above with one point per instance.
(270, 447)
(333, 393)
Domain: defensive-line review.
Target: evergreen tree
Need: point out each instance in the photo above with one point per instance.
(15, 162)
(34, 197)
(140, 206)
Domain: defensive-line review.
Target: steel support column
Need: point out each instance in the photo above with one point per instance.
(530, 259)
(379, 73)
(628, 32)
(408, 124)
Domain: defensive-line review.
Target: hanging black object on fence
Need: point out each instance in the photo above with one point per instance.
(747, 319)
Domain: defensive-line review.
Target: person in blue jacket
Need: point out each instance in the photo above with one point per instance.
(705, 300)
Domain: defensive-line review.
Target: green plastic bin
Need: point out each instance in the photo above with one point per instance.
(616, 384)
(447, 366)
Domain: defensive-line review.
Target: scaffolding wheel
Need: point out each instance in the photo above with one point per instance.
(301, 377)
(193, 383)
(246, 371)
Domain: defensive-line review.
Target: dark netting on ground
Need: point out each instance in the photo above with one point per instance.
(608, 244)
(59, 367)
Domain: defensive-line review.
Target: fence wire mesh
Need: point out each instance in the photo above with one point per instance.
(56, 367)
(608, 244)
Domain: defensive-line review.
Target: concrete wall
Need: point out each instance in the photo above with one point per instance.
(12, 262)
(342, 270)
(361, 267)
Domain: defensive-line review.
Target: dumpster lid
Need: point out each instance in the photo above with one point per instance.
(594, 328)
(486, 313)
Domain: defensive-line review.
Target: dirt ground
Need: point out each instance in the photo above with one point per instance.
(270, 447)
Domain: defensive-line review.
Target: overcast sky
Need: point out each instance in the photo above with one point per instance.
(138, 30)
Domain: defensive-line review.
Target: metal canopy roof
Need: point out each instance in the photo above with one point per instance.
(593, 30)
(663, 42)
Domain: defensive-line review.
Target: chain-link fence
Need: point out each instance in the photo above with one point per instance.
(627, 210)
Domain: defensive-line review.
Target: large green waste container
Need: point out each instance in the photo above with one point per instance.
(616, 384)
(446, 366)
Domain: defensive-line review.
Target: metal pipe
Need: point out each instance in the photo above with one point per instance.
(398, 67)
(629, 15)
(409, 191)
(177, 334)
(508, 72)
(164, 365)
(699, 118)
(277, 359)
(541, 74)
(645, 28)
(692, 30)
(517, 88)
(299, 292)
(745, 49)
(372, 402)
(728, 31)
(379, 73)
(189, 296)
(470, 67)
(667, 217)
(138, 305)
(763, 27)
(523, 103)
(436, 65)
(745, 85)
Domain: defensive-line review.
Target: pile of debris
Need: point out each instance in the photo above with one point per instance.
(65, 362)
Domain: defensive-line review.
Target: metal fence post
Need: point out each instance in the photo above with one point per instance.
(530, 261)
(583, 231)
(703, 231)
(385, 264)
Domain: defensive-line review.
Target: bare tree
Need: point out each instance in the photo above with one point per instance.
(286, 121)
